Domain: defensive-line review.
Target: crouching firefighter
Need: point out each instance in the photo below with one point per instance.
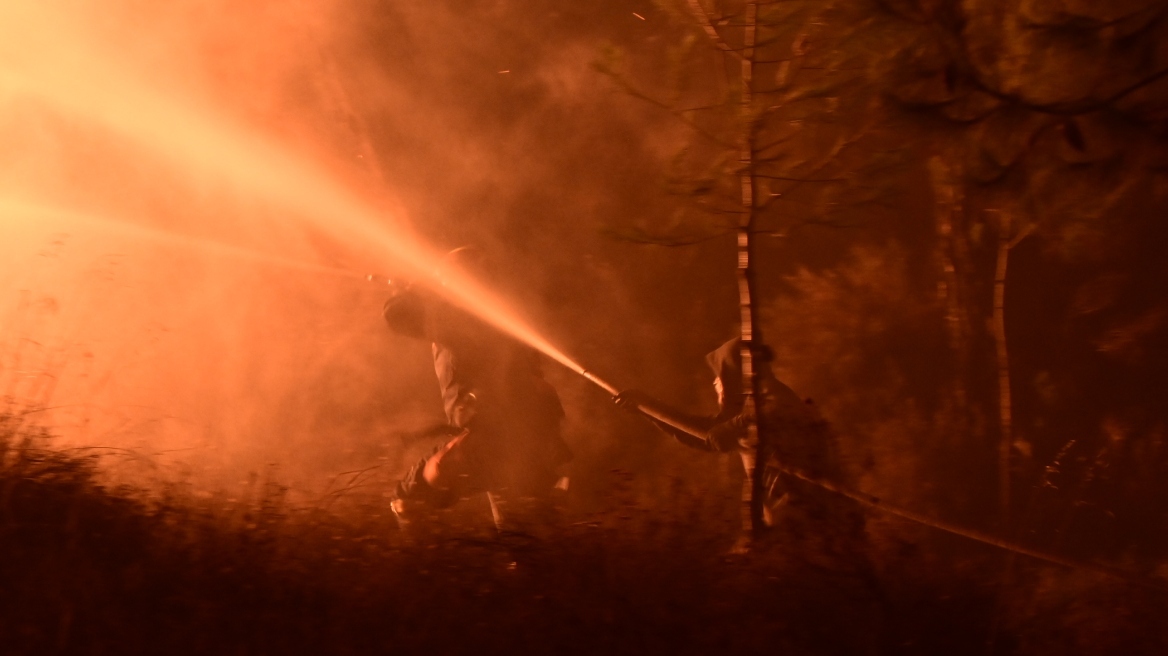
(504, 418)
(793, 435)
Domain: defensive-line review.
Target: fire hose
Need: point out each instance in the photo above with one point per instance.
(876, 503)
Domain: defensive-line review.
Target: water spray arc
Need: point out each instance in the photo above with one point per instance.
(599, 382)
(80, 83)
(14, 211)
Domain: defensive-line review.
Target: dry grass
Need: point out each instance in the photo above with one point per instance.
(90, 570)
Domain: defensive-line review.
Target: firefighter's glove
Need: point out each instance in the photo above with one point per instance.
(631, 400)
(727, 435)
(724, 437)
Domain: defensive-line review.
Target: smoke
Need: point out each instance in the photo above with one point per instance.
(212, 336)
(162, 345)
(190, 192)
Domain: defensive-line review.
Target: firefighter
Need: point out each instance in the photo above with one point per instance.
(792, 432)
(503, 417)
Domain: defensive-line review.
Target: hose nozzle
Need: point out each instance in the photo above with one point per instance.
(600, 382)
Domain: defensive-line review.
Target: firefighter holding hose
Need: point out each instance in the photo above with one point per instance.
(792, 433)
(503, 417)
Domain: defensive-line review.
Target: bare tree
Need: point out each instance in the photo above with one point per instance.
(774, 125)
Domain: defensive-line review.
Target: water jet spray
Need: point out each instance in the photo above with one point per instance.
(11, 207)
(79, 82)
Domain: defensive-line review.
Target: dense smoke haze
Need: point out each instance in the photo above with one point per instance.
(236, 362)
(953, 211)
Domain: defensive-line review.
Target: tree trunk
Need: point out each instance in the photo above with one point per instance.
(952, 254)
(749, 315)
(1007, 240)
(1005, 437)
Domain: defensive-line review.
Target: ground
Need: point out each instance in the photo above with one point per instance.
(88, 569)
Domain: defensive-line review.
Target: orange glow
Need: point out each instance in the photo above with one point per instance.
(49, 60)
(13, 212)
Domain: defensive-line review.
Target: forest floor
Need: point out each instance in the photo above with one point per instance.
(87, 568)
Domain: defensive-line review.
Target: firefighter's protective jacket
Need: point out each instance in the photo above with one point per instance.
(490, 383)
(790, 428)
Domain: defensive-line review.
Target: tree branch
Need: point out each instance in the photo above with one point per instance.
(703, 19)
(965, 61)
(679, 115)
(792, 179)
(644, 238)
